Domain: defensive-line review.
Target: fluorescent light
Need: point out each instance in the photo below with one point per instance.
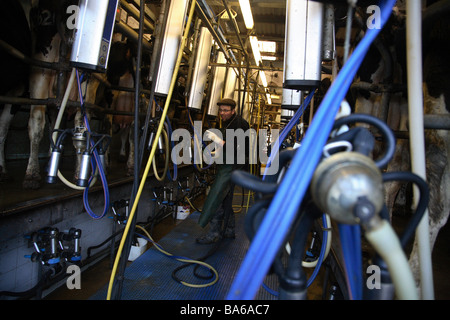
(274, 96)
(246, 13)
(267, 46)
(262, 75)
(269, 100)
(271, 58)
(255, 49)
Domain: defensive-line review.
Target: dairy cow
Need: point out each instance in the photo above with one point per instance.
(384, 72)
(41, 23)
(46, 28)
(15, 32)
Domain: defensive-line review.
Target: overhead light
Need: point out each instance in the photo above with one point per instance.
(262, 75)
(270, 58)
(255, 49)
(269, 100)
(268, 46)
(274, 96)
(246, 13)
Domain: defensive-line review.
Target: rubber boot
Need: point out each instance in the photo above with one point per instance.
(213, 234)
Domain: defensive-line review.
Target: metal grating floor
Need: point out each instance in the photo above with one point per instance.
(149, 277)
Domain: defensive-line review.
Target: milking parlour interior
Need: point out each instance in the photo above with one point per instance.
(214, 150)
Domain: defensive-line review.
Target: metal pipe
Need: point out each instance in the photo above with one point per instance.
(34, 62)
(218, 37)
(236, 28)
(130, 33)
(135, 13)
(417, 139)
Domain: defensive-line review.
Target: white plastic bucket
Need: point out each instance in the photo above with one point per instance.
(137, 250)
(183, 212)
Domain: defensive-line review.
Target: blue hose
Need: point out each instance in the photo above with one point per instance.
(350, 236)
(94, 162)
(286, 131)
(275, 226)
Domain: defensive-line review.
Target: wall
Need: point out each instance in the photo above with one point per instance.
(18, 273)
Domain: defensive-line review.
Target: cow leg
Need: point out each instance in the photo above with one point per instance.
(5, 120)
(123, 133)
(438, 178)
(40, 88)
(35, 132)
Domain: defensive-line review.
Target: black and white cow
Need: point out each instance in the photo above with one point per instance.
(14, 31)
(391, 105)
(47, 29)
(44, 22)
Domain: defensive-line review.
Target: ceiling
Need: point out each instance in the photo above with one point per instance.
(269, 25)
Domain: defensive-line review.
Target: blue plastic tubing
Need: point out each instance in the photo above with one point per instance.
(94, 162)
(287, 129)
(274, 227)
(351, 248)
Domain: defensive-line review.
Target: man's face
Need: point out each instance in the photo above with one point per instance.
(225, 112)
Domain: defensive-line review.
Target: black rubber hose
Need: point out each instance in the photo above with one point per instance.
(293, 281)
(228, 208)
(254, 216)
(103, 243)
(251, 182)
(385, 131)
(284, 157)
(309, 215)
(361, 139)
(421, 206)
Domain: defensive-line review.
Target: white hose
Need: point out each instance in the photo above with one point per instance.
(386, 243)
(416, 136)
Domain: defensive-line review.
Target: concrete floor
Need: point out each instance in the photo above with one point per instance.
(98, 276)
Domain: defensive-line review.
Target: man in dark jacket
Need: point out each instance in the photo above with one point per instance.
(217, 209)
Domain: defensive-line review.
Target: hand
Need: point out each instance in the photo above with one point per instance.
(214, 137)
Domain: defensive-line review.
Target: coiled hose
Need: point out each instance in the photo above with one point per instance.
(97, 163)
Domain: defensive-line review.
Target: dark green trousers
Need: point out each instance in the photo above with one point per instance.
(218, 192)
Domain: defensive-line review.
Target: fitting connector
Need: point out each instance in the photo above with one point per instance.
(342, 180)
